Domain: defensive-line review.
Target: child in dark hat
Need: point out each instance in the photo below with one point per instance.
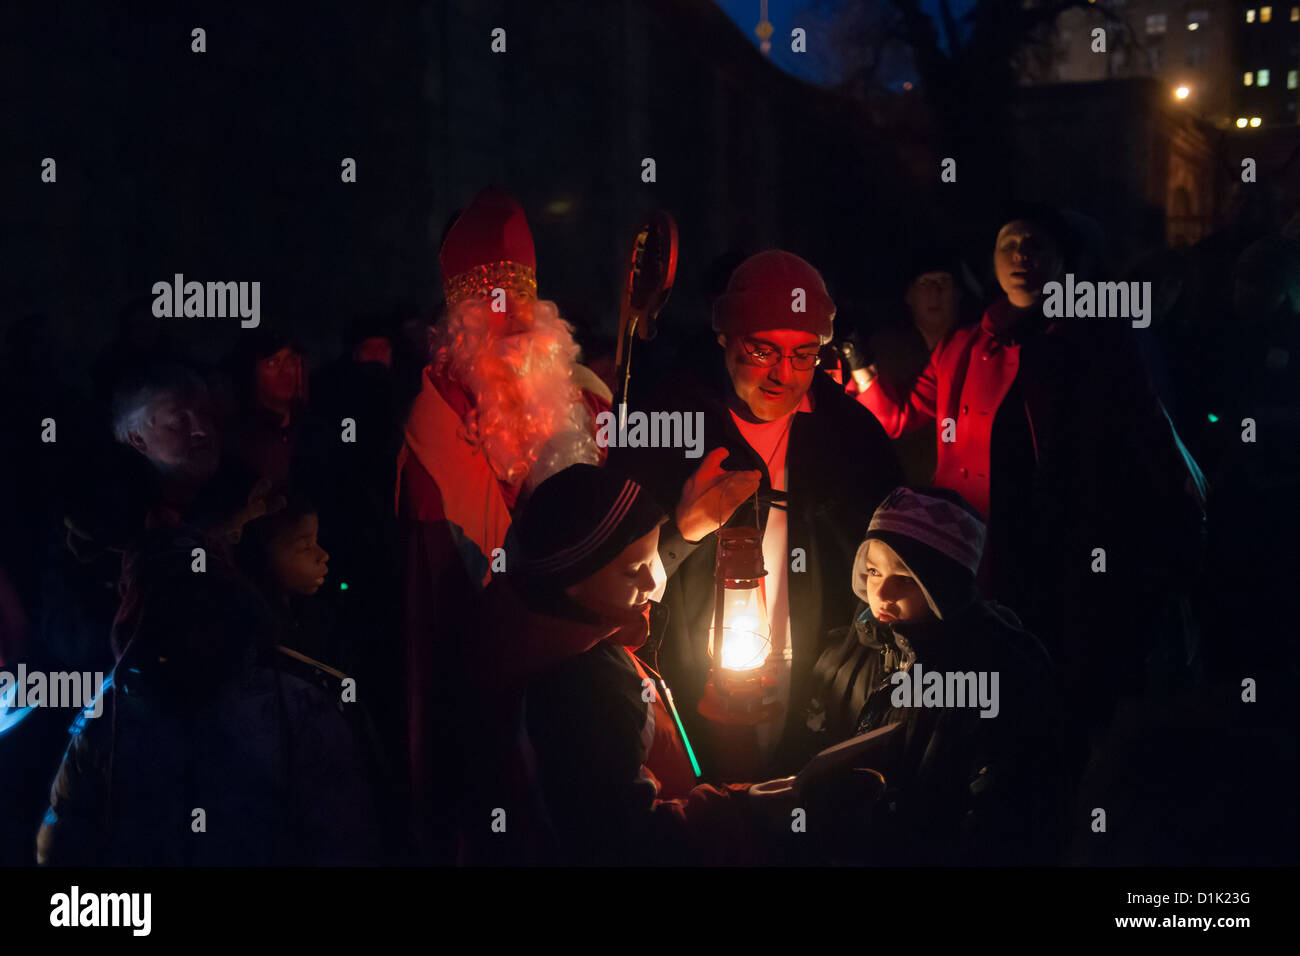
(570, 627)
(979, 778)
(202, 711)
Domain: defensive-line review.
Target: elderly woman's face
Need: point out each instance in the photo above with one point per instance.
(1026, 258)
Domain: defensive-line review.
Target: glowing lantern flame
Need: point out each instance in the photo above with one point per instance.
(746, 639)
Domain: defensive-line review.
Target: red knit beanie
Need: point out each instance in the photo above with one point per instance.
(763, 294)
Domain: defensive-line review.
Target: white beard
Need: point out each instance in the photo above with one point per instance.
(528, 416)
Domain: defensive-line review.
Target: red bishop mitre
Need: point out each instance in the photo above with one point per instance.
(489, 247)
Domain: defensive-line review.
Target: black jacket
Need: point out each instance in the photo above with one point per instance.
(592, 723)
(840, 466)
(962, 788)
(269, 756)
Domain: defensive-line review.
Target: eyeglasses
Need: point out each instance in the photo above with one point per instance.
(765, 357)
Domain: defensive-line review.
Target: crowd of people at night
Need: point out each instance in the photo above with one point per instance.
(410, 607)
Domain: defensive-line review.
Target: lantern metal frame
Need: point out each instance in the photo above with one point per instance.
(738, 697)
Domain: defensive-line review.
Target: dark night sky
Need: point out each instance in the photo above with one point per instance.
(225, 166)
(817, 17)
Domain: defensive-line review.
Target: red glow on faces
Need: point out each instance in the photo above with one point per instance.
(280, 379)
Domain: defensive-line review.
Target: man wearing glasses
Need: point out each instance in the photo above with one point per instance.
(787, 450)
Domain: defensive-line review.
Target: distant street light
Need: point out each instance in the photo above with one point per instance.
(1241, 122)
(1255, 121)
(1182, 92)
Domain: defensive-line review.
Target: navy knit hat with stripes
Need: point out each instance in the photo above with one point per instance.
(577, 521)
(938, 535)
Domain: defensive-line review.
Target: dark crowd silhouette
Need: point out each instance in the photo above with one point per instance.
(406, 605)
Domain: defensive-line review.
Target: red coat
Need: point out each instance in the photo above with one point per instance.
(968, 376)
(448, 534)
(1108, 471)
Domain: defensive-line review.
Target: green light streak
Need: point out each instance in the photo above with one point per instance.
(690, 752)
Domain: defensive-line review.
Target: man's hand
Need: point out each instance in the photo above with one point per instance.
(711, 496)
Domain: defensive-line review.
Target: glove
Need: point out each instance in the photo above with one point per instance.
(855, 352)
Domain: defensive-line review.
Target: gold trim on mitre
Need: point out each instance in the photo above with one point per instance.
(478, 282)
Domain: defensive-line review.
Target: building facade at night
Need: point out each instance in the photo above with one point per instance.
(1268, 55)
(1188, 47)
(1219, 80)
(1235, 63)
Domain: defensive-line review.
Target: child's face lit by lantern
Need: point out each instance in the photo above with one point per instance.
(775, 390)
(893, 593)
(624, 584)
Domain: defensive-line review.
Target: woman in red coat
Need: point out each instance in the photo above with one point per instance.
(1051, 429)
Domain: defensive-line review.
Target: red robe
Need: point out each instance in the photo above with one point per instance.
(453, 512)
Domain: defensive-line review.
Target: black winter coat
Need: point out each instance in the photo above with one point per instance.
(840, 466)
(962, 788)
(593, 731)
(268, 756)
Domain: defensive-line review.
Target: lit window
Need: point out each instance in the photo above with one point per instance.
(1261, 78)
(1291, 79)
(1250, 16)
(1265, 14)
(1248, 79)
(1295, 14)
(1156, 23)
